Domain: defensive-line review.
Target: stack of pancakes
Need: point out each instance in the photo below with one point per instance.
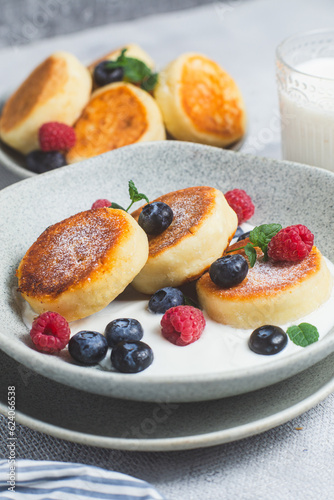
(77, 266)
(194, 100)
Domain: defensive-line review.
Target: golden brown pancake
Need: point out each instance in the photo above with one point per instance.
(203, 224)
(57, 90)
(272, 292)
(77, 266)
(40, 86)
(117, 115)
(200, 102)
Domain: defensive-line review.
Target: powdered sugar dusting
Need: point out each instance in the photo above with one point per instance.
(189, 206)
(68, 252)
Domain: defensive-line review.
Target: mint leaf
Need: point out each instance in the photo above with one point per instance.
(251, 254)
(134, 195)
(303, 334)
(261, 235)
(150, 82)
(135, 71)
(116, 205)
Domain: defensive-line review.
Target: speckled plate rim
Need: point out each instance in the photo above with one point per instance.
(191, 441)
(171, 388)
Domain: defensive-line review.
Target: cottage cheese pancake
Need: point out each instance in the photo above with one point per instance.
(272, 292)
(200, 102)
(57, 90)
(203, 224)
(79, 265)
(118, 114)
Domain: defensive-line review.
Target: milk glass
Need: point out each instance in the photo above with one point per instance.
(305, 79)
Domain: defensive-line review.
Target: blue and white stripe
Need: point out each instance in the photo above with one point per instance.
(49, 480)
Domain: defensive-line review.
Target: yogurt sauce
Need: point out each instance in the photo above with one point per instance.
(220, 349)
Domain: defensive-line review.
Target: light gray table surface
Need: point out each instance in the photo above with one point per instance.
(283, 463)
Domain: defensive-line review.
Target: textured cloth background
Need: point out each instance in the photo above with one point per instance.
(283, 463)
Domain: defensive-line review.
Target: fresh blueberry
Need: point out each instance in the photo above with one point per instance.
(243, 236)
(268, 339)
(229, 271)
(164, 299)
(238, 232)
(131, 357)
(155, 217)
(88, 347)
(104, 75)
(42, 161)
(123, 329)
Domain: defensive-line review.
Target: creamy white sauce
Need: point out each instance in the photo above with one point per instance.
(220, 349)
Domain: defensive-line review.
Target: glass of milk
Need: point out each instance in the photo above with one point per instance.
(305, 78)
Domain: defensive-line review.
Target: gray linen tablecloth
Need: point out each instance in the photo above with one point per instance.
(283, 463)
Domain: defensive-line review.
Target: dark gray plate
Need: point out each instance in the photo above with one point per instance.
(93, 420)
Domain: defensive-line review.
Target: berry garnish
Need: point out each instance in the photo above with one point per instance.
(259, 237)
(164, 299)
(123, 329)
(292, 244)
(229, 271)
(104, 74)
(131, 357)
(241, 203)
(134, 71)
(182, 325)
(101, 203)
(88, 347)
(40, 161)
(50, 332)
(56, 136)
(243, 236)
(155, 217)
(268, 339)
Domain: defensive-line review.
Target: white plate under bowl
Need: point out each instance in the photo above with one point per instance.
(282, 192)
(47, 406)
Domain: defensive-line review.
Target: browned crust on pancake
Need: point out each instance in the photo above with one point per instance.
(111, 119)
(69, 252)
(266, 278)
(191, 206)
(41, 85)
(210, 99)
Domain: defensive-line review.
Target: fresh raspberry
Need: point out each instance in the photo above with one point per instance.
(50, 332)
(101, 203)
(182, 325)
(291, 244)
(55, 136)
(241, 203)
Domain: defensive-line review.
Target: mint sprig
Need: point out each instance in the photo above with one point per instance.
(134, 197)
(259, 237)
(303, 334)
(135, 71)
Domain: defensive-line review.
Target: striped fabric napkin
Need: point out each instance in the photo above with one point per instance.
(47, 480)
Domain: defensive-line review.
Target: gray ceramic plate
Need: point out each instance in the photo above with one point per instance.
(49, 407)
(284, 192)
(15, 162)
